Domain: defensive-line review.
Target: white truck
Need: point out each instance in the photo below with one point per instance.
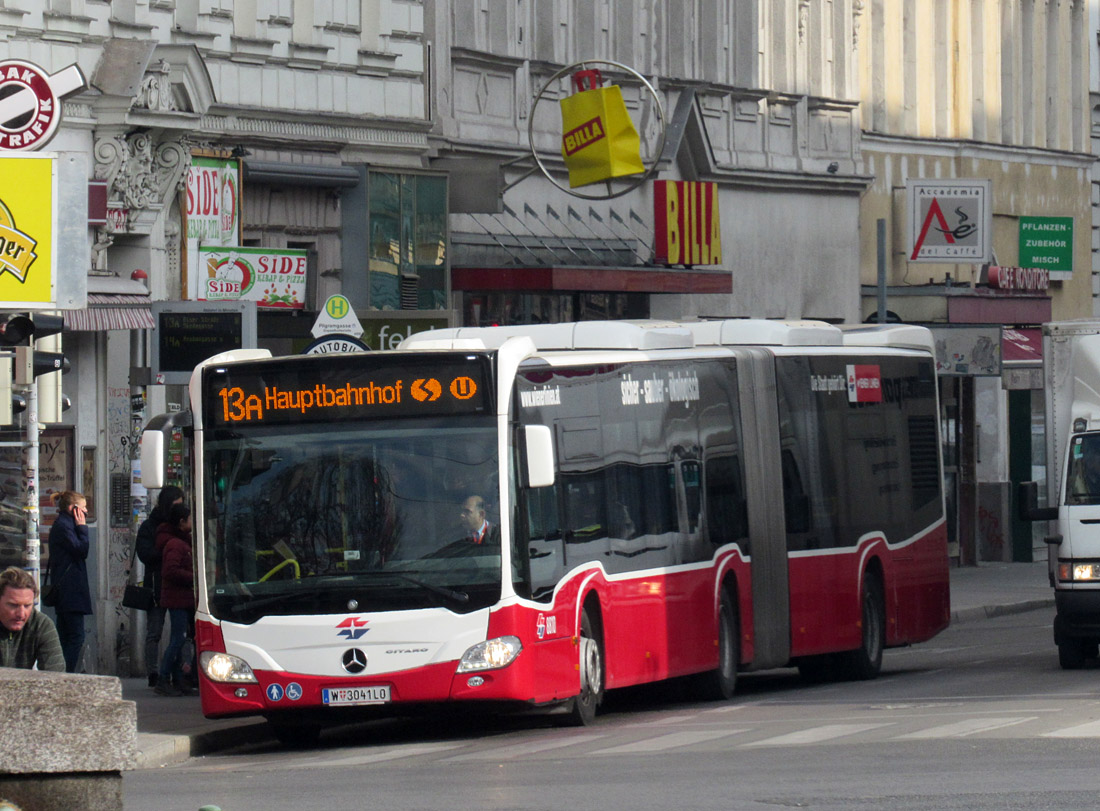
(1071, 366)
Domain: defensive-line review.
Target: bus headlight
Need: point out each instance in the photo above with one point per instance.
(491, 654)
(225, 668)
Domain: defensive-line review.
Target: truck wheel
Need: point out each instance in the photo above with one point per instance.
(1071, 654)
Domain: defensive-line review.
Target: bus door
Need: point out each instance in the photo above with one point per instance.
(764, 493)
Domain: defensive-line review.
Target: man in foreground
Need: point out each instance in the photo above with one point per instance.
(27, 637)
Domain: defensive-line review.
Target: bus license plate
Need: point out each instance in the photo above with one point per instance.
(346, 696)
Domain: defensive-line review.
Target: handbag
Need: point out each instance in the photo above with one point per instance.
(49, 596)
(137, 595)
(50, 591)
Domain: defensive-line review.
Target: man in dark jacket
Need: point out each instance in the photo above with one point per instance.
(27, 637)
(69, 546)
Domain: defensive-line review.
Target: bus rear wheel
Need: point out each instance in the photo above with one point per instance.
(866, 661)
(721, 683)
(585, 703)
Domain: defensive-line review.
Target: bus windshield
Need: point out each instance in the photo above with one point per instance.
(354, 516)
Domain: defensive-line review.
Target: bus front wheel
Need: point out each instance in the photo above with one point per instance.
(583, 711)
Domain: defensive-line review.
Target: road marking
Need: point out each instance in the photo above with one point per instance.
(367, 758)
(960, 729)
(817, 734)
(673, 740)
(675, 719)
(1089, 730)
(519, 750)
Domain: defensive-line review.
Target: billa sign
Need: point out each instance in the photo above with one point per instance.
(685, 218)
(949, 220)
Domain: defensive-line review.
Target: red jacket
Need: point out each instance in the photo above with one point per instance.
(177, 568)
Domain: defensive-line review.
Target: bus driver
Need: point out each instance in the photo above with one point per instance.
(479, 528)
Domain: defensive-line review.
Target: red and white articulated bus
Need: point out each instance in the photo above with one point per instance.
(662, 500)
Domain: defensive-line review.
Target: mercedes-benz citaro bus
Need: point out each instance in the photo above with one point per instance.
(529, 516)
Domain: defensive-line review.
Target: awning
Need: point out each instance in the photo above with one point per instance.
(1022, 345)
(111, 311)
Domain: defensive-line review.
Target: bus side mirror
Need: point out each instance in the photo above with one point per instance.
(538, 444)
(1027, 504)
(154, 447)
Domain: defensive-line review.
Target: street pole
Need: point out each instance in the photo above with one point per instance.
(32, 553)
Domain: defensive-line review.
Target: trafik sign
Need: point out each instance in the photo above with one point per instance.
(30, 102)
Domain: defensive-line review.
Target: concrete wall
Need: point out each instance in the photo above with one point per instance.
(69, 738)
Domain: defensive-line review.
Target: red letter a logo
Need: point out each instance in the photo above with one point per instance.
(933, 211)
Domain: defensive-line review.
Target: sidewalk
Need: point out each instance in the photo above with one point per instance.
(170, 730)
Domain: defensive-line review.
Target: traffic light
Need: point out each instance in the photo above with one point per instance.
(19, 329)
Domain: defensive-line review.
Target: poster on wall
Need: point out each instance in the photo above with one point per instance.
(272, 278)
(212, 213)
(55, 475)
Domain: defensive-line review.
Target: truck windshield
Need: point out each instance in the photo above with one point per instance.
(1083, 478)
(333, 518)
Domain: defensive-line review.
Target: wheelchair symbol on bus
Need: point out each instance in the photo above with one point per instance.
(294, 691)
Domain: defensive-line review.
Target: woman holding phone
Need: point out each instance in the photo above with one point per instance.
(68, 567)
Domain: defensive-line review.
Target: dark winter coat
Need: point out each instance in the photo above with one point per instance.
(177, 572)
(69, 545)
(148, 553)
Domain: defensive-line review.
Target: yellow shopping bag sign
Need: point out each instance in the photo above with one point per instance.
(599, 141)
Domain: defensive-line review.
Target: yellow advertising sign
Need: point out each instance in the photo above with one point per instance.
(599, 141)
(27, 221)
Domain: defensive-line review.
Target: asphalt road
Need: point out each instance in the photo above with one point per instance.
(980, 717)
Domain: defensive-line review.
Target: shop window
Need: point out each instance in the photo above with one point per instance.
(407, 244)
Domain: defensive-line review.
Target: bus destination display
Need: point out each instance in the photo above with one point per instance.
(321, 391)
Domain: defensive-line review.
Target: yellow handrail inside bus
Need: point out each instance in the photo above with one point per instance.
(294, 563)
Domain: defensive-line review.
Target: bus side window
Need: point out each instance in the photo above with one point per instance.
(796, 503)
(659, 499)
(727, 519)
(693, 496)
(544, 549)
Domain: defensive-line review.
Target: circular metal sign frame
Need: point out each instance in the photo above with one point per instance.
(636, 180)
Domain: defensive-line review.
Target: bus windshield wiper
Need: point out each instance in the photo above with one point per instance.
(251, 605)
(459, 597)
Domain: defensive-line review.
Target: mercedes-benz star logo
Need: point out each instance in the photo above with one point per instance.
(355, 661)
